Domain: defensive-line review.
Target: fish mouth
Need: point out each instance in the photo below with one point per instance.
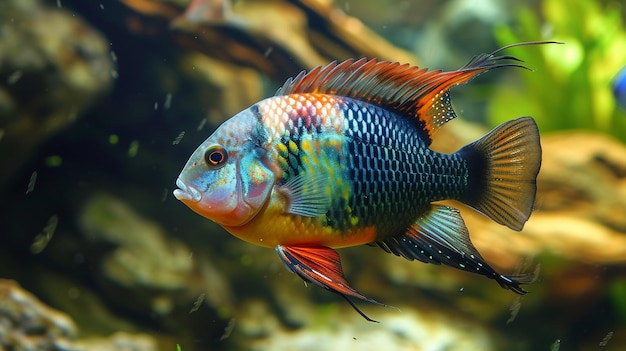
(186, 193)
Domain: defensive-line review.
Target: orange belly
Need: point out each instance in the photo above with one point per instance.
(273, 226)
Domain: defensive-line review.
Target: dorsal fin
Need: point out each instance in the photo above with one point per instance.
(412, 91)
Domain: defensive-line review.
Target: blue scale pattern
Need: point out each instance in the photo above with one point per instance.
(394, 174)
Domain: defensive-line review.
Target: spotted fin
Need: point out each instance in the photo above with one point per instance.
(306, 195)
(411, 91)
(441, 236)
(503, 167)
(322, 266)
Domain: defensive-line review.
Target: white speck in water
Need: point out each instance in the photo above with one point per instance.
(42, 239)
(462, 289)
(113, 56)
(229, 329)
(133, 148)
(14, 77)
(556, 345)
(515, 307)
(202, 124)
(101, 6)
(156, 105)
(178, 138)
(59, 3)
(606, 339)
(168, 101)
(268, 51)
(197, 304)
(31, 182)
(114, 74)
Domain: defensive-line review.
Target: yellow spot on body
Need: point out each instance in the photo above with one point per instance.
(282, 149)
(293, 148)
(354, 220)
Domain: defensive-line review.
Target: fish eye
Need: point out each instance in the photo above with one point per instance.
(215, 156)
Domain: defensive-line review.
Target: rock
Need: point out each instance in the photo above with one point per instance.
(28, 324)
(53, 66)
(278, 38)
(584, 174)
(343, 329)
(119, 341)
(151, 274)
(147, 263)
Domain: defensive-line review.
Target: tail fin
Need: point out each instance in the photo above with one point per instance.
(503, 167)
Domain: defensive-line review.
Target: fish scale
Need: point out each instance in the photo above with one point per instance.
(389, 192)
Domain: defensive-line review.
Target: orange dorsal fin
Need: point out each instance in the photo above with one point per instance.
(412, 91)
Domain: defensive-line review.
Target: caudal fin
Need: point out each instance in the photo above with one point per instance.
(503, 167)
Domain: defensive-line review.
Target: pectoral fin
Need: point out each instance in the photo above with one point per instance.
(306, 195)
(322, 266)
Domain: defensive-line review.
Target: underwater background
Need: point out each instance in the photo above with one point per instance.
(102, 102)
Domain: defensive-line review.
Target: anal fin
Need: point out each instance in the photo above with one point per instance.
(441, 237)
(322, 266)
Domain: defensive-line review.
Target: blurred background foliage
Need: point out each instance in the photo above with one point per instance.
(572, 86)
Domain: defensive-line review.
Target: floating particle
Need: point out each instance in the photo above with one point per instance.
(113, 139)
(53, 161)
(515, 307)
(556, 345)
(59, 3)
(178, 138)
(156, 105)
(31, 182)
(268, 51)
(168, 101)
(14, 77)
(197, 304)
(202, 124)
(42, 239)
(606, 339)
(229, 329)
(114, 74)
(101, 6)
(164, 194)
(113, 56)
(133, 148)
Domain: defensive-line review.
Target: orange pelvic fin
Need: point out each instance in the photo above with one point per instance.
(322, 266)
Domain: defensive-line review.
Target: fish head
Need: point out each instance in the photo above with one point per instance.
(228, 179)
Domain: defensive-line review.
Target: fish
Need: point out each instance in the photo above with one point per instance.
(619, 88)
(340, 156)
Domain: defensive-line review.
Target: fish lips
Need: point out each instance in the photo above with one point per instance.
(186, 193)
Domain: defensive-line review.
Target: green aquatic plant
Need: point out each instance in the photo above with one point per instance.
(571, 87)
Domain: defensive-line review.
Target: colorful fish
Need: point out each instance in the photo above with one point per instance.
(340, 157)
(619, 88)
